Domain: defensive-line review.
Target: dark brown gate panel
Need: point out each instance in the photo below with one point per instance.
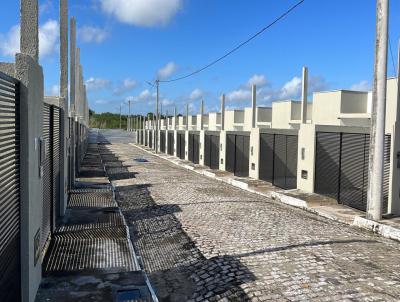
(194, 147)
(267, 157)
(230, 152)
(180, 145)
(292, 144)
(146, 139)
(10, 251)
(170, 143)
(47, 179)
(242, 156)
(280, 161)
(162, 141)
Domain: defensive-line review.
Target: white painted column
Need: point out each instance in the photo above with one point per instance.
(254, 106)
(304, 93)
(223, 112)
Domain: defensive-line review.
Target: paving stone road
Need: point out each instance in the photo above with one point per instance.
(202, 240)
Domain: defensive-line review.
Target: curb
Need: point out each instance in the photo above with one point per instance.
(359, 222)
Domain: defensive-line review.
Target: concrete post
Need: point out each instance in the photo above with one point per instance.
(157, 114)
(253, 106)
(64, 105)
(223, 112)
(72, 101)
(187, 116)
(304, 93)
(30, 29)
(175, 117)
(201, 115)
(377, 137)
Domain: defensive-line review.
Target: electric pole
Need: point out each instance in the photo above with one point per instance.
(377, 137)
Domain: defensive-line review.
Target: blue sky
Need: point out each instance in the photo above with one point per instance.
(125, 43)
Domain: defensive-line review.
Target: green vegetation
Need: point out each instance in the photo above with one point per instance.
(109, 120)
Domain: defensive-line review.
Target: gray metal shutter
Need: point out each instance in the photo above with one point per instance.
(170, 143)
(242, 156)
(196, 148)
(230, 152)
(266, 157)
(10, 253)
(151, 139)
(56, 142)
(352, 170)
(162, 141)
(190, 145)
(291, 161)
(327, 164)
(386, 172)
(182, 147)
(214, 150)
(47, 180)
(146, 142)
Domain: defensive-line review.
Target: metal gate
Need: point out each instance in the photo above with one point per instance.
(171, 143)
(10, 251)
(146, 138)
(47, 178)
(194, 148)
(180, 145)
(151, 139)
(237, 154)
(141, 136)
(341, 168)
(278, 159)
(162, 141)
(211, 151)
(56, 154)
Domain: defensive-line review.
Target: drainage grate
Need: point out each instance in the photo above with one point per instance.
(92, 200)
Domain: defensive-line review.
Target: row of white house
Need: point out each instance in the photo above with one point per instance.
(317, 147)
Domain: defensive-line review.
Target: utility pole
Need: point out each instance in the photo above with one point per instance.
(223, 112)
(377, 137)
(304, 94)
(120, 116)
(187, 116)
(157, 115)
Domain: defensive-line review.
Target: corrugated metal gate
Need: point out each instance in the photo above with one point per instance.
(146, 138)
(10, 251)
(237, 154)
(162, 141)
(211, 151)
(47, 179)
(278, 159)
(180, 145)
(151, 139)
(56, 144)
(171, 143)
(141, 136)
(341, 168)
(194, 148)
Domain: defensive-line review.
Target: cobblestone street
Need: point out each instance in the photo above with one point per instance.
(202, 240)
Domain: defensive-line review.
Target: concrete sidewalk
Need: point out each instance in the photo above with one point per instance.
(91, 256)
(389, 227)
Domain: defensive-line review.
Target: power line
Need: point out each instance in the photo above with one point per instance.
(239, 46)
(391, 55)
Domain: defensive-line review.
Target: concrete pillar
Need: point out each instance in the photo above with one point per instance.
(222, 150)
(187, 116)
(254, 158)
(202, 115)
(304, 93)
(72, 101)
(174, 120)
(64, 105)
(30, 29)
(306, 158)
(253, 106)
(223, 112)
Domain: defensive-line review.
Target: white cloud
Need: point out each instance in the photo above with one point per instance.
(102, 102)
(362, 86)
(166, 102)
(146, 13)
(55, 90)
(91, 34)
(97, 84)
(48, 39)
(45, 6)
(196, 94)
(167, 71)
(126, 85)
(145, 94)
(239, 95)
(257, 79)
(291, 89)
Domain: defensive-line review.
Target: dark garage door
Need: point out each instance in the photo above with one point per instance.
(194, 147)
(171, 143)
(341, 168)
(151, 139)
(211, 151)
(146, 138)
(237, 154)
(162, 141)
(278, 159)
(10, 268)
(180, 145)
